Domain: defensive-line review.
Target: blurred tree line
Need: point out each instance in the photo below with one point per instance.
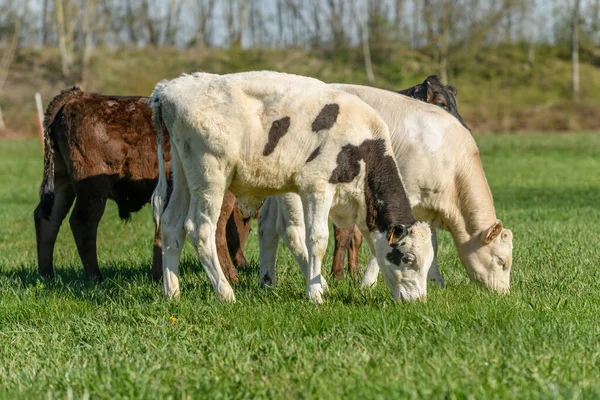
(451, 31)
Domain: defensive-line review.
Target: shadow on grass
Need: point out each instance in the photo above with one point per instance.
(28, 275)
(121, 280)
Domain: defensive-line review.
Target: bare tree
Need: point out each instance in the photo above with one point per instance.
(130, 20)
(575, 48)
(45, 24)
(65, 38)
(9, 53)
(87, 33)
(236, 14)
(204, 15)
(335, 11)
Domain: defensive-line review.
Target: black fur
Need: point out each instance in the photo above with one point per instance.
(326, 118)
(385, 196)
(395, 256)
(278, 129)
(314, 154)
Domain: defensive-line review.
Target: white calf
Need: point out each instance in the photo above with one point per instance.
(265, 133)
(445, 182)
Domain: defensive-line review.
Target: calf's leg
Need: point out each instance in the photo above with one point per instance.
(47, 226)
(156, 272)
(238, 230)
(355, 244)
(171, 227)
(290, 227)
(342, 238)
(92, 194)
(268, 241)
(207, 188)
(434, 273)
(370, 275)
(316, 207)
(222, 242)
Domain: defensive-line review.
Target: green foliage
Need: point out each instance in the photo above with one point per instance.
(499, 89)
(69, 337)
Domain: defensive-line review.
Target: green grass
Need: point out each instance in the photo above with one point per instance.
(69, 337)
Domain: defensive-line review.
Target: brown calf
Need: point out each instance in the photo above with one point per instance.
(104, 147)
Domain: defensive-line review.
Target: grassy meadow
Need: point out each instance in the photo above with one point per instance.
(69, 338)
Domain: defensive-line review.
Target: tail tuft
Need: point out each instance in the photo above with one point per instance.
(159, 197)
(47, 187)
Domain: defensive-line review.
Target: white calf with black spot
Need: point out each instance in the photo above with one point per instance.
(257, 133)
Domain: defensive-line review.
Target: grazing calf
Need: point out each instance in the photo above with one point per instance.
(445, 183)
(348, 240)
(265, 133)
(101, 147)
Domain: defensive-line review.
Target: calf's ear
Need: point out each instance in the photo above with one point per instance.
(396, 234)
(492, 232)
(429, 93)
(452, 90)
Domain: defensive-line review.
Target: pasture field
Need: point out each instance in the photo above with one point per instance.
(121, 339)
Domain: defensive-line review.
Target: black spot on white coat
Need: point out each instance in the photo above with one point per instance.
(314, 154)
(395, 256)
(278, 129)
(326, 117)
(385, 197)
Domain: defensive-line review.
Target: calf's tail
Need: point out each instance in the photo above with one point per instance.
(159, 197)
(47, 187)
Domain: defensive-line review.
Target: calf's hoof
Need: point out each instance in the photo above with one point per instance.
(315, 294)
(155, 277)
(439, 282)
(241, 262)
(97, 278)
(46, 274)
(226, 295)
(266, 280)
(232, 277)
(368, 282)
(172, 294)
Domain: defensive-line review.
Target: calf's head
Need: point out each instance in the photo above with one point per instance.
(404, 256)
(488, 257)
(433, 91)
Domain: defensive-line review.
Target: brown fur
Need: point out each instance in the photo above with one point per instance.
(348, 238)
(97, 148)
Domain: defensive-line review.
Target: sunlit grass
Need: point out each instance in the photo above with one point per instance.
(121, 339)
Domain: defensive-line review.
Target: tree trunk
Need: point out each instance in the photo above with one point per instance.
(88, 36)
(65, 54)
(575, 49)
(366, 50)
(9, 51)
(131, 28)
(45, 24)
(2, 124)
(444, 41)
(417, 15)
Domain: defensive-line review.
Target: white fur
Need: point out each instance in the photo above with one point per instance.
(219, 127)
(440, 166)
